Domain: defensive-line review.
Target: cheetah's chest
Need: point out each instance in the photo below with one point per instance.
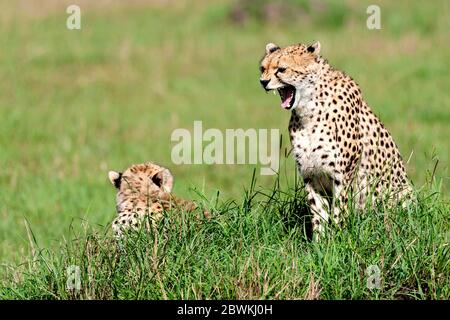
(312, 149)
(305, 145)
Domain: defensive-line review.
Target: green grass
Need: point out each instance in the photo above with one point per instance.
(76, 104)
(256, 248)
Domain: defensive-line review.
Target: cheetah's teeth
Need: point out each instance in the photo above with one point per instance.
(274, 93)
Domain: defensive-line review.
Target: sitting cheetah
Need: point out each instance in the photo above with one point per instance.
(340, 146)
(144, 190)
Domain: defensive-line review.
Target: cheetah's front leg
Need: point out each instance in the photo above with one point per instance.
(319, 209)
(340, 201)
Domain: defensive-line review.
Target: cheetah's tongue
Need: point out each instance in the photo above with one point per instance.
(287, 97)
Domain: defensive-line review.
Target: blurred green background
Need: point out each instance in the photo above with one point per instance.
(75, 104)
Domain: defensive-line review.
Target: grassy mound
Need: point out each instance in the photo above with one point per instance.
(256, 249)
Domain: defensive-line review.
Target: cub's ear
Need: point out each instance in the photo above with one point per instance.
(115, 178)
(314, 48)
(271, 47)
(164, 180)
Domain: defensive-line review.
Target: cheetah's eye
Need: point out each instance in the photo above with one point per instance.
(262, 69)
(280, 69)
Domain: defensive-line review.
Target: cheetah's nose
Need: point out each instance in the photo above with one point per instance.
(264, 83)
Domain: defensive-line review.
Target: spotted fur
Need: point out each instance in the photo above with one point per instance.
(340, 146)
(144, 193)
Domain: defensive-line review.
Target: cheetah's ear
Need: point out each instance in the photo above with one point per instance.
(115, 178)
(271, 47)
(314, 48)
(164, 180)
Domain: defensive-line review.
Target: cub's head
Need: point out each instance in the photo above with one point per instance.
(147, 178)
(289, 70)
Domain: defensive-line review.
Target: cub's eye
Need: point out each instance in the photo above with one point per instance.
(280, 69)
(262, 69)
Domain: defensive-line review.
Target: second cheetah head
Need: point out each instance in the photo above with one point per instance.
(147, 178)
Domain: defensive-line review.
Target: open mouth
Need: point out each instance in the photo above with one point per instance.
(287, 95)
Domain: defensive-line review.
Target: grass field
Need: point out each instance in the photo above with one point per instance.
(256, 248)
(76, 104)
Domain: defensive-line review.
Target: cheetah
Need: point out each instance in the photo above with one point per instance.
(340, 146)
(144, 191)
